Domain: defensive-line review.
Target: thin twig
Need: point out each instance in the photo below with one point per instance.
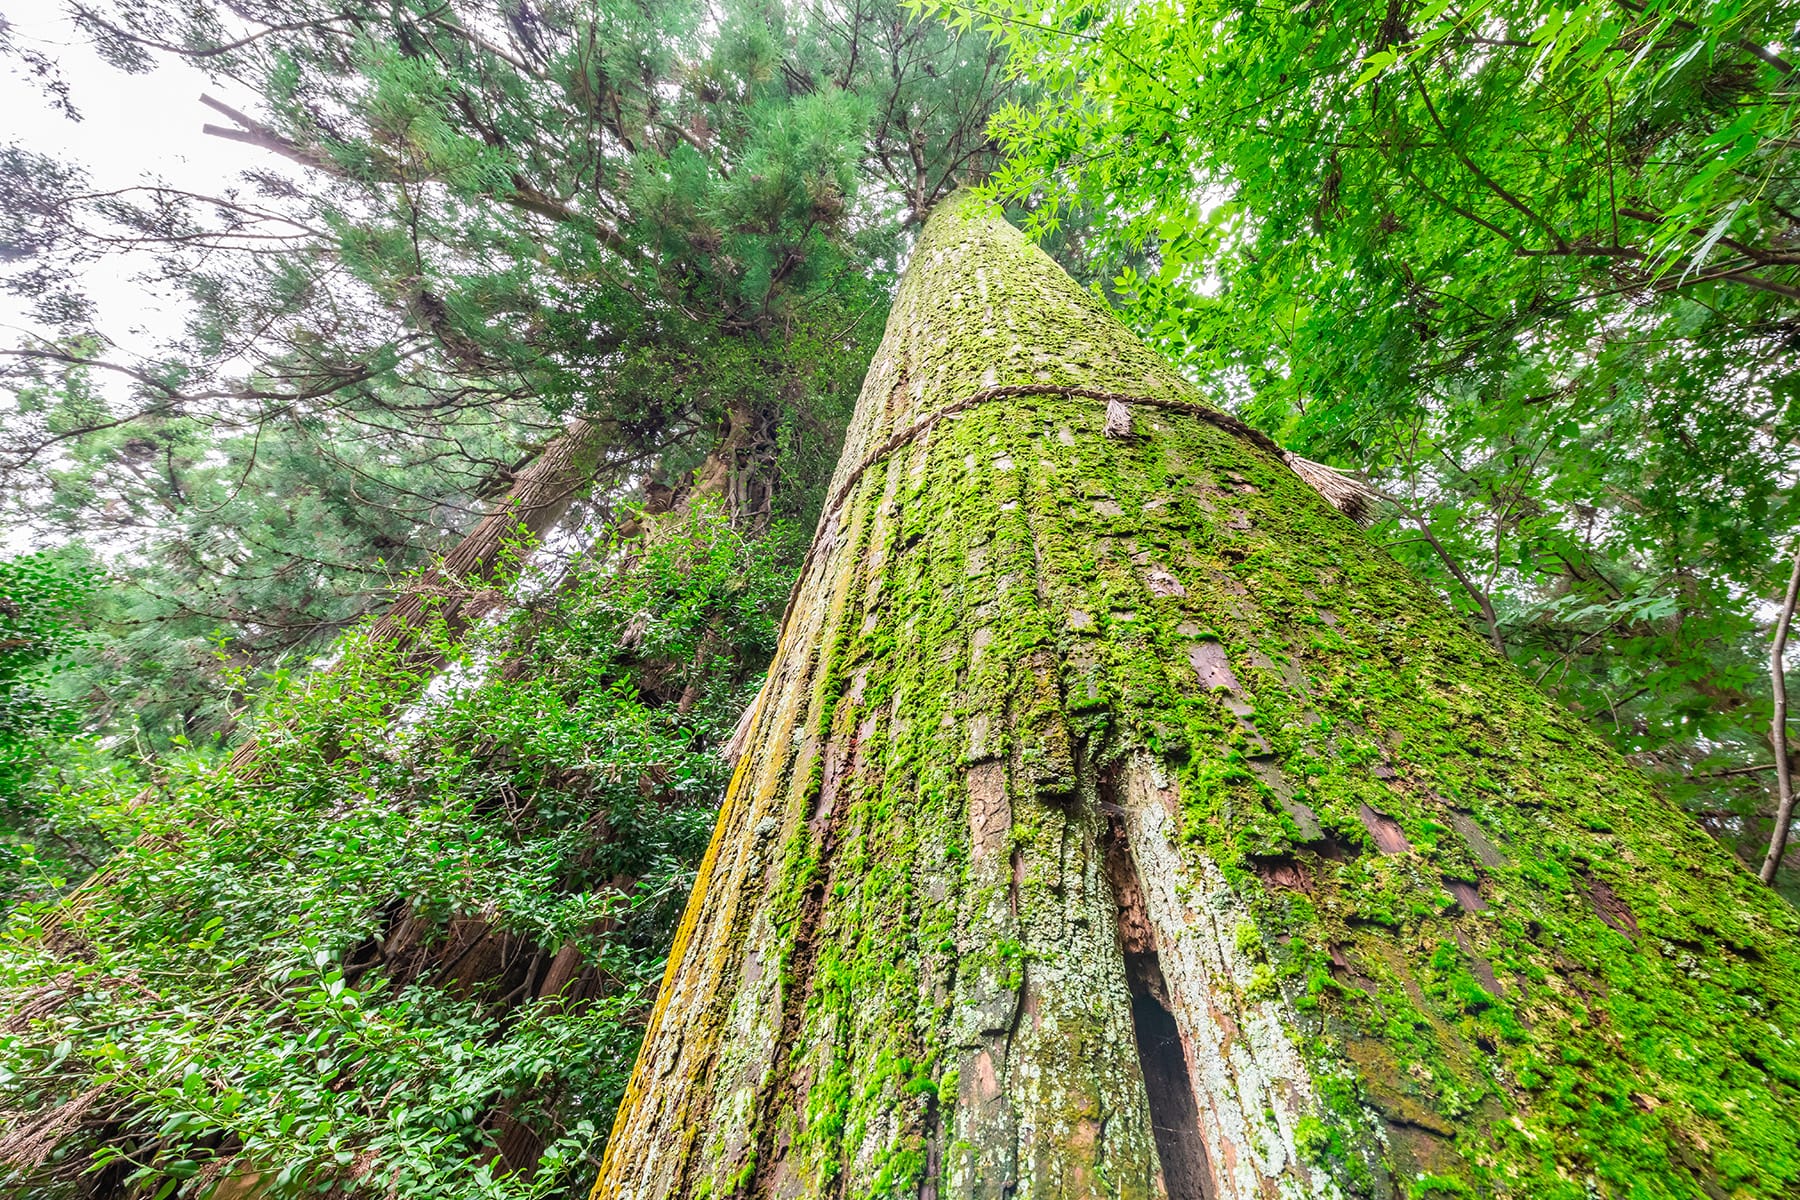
(1784, 778)
(1475, 593)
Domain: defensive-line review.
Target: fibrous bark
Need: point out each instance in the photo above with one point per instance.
(1117, 821)
(457, 589)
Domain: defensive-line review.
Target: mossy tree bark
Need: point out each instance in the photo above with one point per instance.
(1117, 821)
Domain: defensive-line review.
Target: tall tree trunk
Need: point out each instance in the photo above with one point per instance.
(1119, 822)
(457, 592)
(456, 589)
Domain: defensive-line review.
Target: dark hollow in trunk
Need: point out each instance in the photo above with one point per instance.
(1174, 1116)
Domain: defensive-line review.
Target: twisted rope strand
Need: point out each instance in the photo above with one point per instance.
(1006, 392)
(1313, 474)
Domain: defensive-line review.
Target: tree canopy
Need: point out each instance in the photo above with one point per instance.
(455, 230)
(1529, 266)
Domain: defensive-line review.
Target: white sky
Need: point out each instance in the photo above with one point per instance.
(135, 129)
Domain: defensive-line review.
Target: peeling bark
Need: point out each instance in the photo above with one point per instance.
(1117, 822)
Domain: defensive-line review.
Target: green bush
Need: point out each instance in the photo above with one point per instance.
(46, 600)
(329, 968)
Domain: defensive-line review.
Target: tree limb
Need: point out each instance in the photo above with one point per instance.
(1476, 594)
(522, 196)
(1784, 779)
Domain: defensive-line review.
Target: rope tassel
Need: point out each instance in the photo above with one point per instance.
(1346, 493)
(1118, 419)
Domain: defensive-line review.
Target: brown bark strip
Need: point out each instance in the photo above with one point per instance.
(1614, 911)
(785, 1092)
(1389, 837)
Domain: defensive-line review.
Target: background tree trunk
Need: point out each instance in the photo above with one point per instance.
(1118, 822)
(457, 592)
(456, 588)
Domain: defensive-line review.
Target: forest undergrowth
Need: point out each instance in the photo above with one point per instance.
(458, 889)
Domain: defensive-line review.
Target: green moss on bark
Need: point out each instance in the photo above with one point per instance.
(1507, 967)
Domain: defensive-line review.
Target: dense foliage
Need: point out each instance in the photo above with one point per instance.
(43, 600)
(412, 947)
(1531, 266)
(455, 229)
(47, 601)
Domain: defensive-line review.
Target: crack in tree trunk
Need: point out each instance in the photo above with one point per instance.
(1162, 1053)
